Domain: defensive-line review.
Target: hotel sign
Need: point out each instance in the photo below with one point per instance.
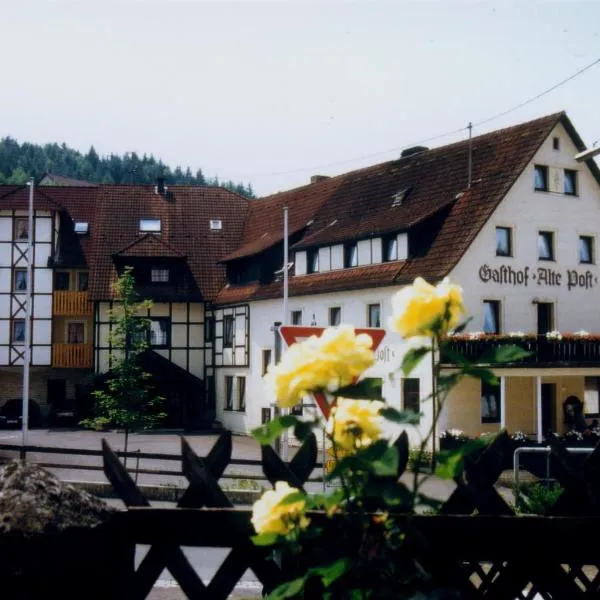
(544, 276)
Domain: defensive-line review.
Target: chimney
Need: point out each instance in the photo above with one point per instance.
(317, 178)
(160, 188)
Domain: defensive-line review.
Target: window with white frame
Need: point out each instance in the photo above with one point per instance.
(491, 316)
(228, 324)
(17, 331)
(541, 178)
(20, 280)
(389, 247)
(546, 245)
(503, 241)
(374, 315)
(586, 249)
(266, 361)
(350, 255)
(21, 228)
(159, 275)
(570, 182)
(490, 402)
(411, 394)
(312, 260)
(296, 317)
(159, 332)
(228, 392)
(241, 393)
(335, 316)
(149, 225)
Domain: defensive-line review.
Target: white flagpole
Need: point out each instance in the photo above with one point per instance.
(286, 260)
(27, 352)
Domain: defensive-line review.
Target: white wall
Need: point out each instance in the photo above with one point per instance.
(527, 212)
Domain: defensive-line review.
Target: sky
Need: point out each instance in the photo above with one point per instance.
(270, 93)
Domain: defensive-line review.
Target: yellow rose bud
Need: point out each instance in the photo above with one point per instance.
(270, 515)
(422, 309)
(333, 360)
(355, 424)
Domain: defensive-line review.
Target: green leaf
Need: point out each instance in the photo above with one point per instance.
(446, 382)
(450, 463)
(290, 589)
(265, 539)
(481, 373)
(331, 573)
(302, 430)
(268, 433)
(366, 389)
(412, 358)
(452, 356)
(387, 464)
(396, 494)
(292, 498)
(400, 416)
(460, 328)
(505, 353)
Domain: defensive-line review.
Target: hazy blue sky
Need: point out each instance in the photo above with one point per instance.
(273, 92)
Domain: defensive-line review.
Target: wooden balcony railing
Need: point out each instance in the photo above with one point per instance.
(71, 304)
(543, 352)
(72, 356)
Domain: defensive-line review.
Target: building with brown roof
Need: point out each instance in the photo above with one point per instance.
(511, 215)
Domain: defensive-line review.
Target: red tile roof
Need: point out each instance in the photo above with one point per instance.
(150, 244)
(185, 214)
(397, 196)
(50, 179)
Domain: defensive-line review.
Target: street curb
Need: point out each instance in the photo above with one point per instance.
(164, 493)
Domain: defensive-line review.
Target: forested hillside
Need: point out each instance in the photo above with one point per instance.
(19, 162)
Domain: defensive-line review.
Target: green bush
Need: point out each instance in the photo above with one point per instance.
(537, 498)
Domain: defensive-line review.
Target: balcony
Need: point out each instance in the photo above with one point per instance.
(70, 304)
(72, 356)
(567, 352)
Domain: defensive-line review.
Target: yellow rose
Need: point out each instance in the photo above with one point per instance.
(335, 359)
(269, 515)
(355, 423)
(422, 309)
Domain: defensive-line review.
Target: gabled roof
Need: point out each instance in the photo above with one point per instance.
(49, 179)
(429, 187)
(185, 213)
(263, 227)
(149, 245)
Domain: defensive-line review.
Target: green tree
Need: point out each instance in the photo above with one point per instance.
(127, 399)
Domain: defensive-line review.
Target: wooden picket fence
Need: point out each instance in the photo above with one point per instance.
(475, 545)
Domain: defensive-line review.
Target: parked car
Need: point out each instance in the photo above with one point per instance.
(11, 415)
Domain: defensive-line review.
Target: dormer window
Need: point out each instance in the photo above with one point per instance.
(351, 255)
(216, 224)
(159, 275)
(149, 225)
(390, 248)
(312, 258)
(81, 227)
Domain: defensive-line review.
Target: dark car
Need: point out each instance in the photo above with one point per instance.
(11, 415)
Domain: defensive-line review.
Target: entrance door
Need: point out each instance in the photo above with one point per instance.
(57, 392)
(548, 407)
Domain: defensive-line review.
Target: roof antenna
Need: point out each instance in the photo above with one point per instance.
(470, 128)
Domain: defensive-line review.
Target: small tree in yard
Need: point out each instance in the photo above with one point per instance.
(127, 400)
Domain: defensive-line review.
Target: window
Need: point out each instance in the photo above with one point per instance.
(390, 248)
(335, 315)
(351, 255)
(82, 281)
(159, 275)
(411, 395)
(546, 245)
(570, 182)
(490, 402)
(586, 249)
(545, 317)
(76, 333)
(541, 178)
(150, 225)
(296, 317)
(20, 280)
(21, 228)
(17, 331)
(312, 258)
(266, 360)
(216, 224)
(591, 403)
(555, 143)
(159, 333)
(228, 392)
(374, 315)
(81, 227)
(503, 241)
(62, 280)
(491, 316)
(209, 329)
(228, 331)
(241, 393)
